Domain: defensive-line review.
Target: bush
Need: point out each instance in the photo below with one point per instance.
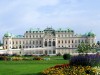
(3, 58)
(37, 58)
(59, 54)
(66, 56)
(85, 60)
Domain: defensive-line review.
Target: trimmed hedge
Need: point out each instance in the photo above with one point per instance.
(66, 56)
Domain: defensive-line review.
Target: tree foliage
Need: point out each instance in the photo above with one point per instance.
(84, 48)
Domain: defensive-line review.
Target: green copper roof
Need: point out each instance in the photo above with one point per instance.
(7, 34)
(13, 36)
(90, 34)
(19, 36)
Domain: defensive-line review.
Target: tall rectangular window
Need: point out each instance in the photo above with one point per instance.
(58, 41)
(78, 41)
(72, 41)
(16, 42)
(68, 41)
(65, 41)
(62, 41)
(6, 42)
(40, 42)
(33, 42)
(13, 42)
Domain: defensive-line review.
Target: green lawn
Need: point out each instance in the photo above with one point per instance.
(28, 67)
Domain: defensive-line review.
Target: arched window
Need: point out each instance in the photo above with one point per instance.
(49, 43)
(20, 46)
(45, 43)
(53, 43)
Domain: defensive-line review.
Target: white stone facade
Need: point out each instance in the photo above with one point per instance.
(47, 41)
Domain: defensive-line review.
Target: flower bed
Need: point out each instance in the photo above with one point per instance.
(66, 69)
(78, 65)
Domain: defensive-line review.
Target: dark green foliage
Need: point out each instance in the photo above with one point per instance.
(85, 60)
(59, 54)
(66, 56)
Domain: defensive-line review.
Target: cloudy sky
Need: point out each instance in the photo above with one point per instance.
(17, 16)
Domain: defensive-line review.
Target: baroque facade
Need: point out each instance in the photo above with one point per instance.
(47, 41)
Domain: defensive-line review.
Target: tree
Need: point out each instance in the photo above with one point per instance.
(84, 48)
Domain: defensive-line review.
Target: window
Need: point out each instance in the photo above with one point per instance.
(72, 41)
(58, 41)
(54, 51)
(26, 36)
(26, 42)
(23, 42)
(30, 36)
(13, 42)
(69, 46)
(36, 42)
(78, 41)
(40, 42)
(26, 46)
(65, 41)
(62, 41)
(50, 52)
(16, 42)
(45, 43)
(53, 43)
(6, 42)
(72, 46)
(6, 47)
(33, 42)
(49, 43)
(36, 35)
(68, 41)
(20, 46)
(75, 45)
(82, 41)
(58, 35)
(75, 41)
(30, 42)
(20, 42)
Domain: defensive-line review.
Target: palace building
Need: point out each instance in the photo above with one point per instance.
(48, 41)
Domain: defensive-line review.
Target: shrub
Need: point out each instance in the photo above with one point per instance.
(66, 56)
(3, 58)
(37, 58)
(85, 60)
(16, 58)
(59, 54)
